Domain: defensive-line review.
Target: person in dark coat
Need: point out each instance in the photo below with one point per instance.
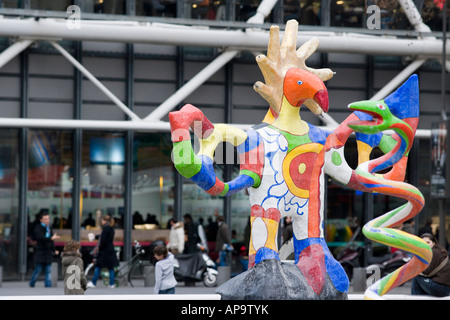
(44, 250)
(435, 279)
(191, 230)
(106, 255)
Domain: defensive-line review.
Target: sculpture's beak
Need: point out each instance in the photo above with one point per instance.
(321, 98)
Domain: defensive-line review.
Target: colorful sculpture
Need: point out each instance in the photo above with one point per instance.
(283, 162)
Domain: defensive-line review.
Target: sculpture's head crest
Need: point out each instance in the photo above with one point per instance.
(279, 60)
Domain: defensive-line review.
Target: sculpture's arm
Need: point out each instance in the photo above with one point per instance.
(200, 167)
(336, 165)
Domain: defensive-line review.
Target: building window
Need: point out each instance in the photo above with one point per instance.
(9, 202)
(432, 14)
(347, 13)
(60, 5)
(157, 8)
(50, 163)
(153, 181)
(102, 180)
(306, 12)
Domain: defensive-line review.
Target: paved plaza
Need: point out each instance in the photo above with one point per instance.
(21, 290)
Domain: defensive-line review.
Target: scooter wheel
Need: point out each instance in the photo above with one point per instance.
(209, 280)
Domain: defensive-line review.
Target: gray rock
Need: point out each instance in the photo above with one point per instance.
(273, 280)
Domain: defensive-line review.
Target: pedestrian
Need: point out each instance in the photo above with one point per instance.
(223, 241)
(191, 230)
(73, 269)
(176, 236)
(164, 278)
(44, 250)
(435, 279)
(106, 257)
(223, 234)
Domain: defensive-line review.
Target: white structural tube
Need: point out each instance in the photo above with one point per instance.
(264, 9)
(414, 16)
(247, 39)
(12, 51)
(145, 126)
(95, 81)
(191, 85)
(119, 125)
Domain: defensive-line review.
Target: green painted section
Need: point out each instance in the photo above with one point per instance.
(185, 160)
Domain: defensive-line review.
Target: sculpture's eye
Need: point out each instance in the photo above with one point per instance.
(299, 82)
(381, 106)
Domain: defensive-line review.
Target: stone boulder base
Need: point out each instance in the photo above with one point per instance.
(273, 280)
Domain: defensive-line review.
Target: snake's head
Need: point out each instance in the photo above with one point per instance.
(300, 85)
(376, 118)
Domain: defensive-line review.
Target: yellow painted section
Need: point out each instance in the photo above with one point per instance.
(289, 119)
(310, 147)
(272, 229)
(222, 133)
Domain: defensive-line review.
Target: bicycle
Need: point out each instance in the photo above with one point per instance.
(125, 274)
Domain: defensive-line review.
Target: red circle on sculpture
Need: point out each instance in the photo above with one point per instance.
(300, 169)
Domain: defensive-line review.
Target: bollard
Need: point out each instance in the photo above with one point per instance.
(149, 276)
(54, 274)
(224, 274)
(359, 280)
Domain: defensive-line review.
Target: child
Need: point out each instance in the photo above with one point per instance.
(164, 279)
(73, 269)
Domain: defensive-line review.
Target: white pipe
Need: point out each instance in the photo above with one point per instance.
(191, 85)
(415, 19)
(121, 125)
(238, 39)
(398, 79)
(94, 80)
(413, 15)
(12, 51)
(263, 10)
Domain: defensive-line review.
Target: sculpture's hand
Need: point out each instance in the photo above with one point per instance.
(199, 167)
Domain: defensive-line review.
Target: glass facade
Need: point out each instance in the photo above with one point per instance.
(50, 163)
(153, 180)
(342, 13)
(102, 176)
(50, 167)
(9, 201)
(50, 182)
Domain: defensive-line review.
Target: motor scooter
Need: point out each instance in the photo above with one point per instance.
(196, 267)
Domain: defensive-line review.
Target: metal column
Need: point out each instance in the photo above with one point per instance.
(228, 168)
(23, 171)
(77, 149)
(128, 179)
(178, 178)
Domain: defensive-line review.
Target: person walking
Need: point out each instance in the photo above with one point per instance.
(223, 241)
(176, 236)
(164, 278)
(435, 279)
(191, 230)
(44, 250)
(106, 255)
(73, 269)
